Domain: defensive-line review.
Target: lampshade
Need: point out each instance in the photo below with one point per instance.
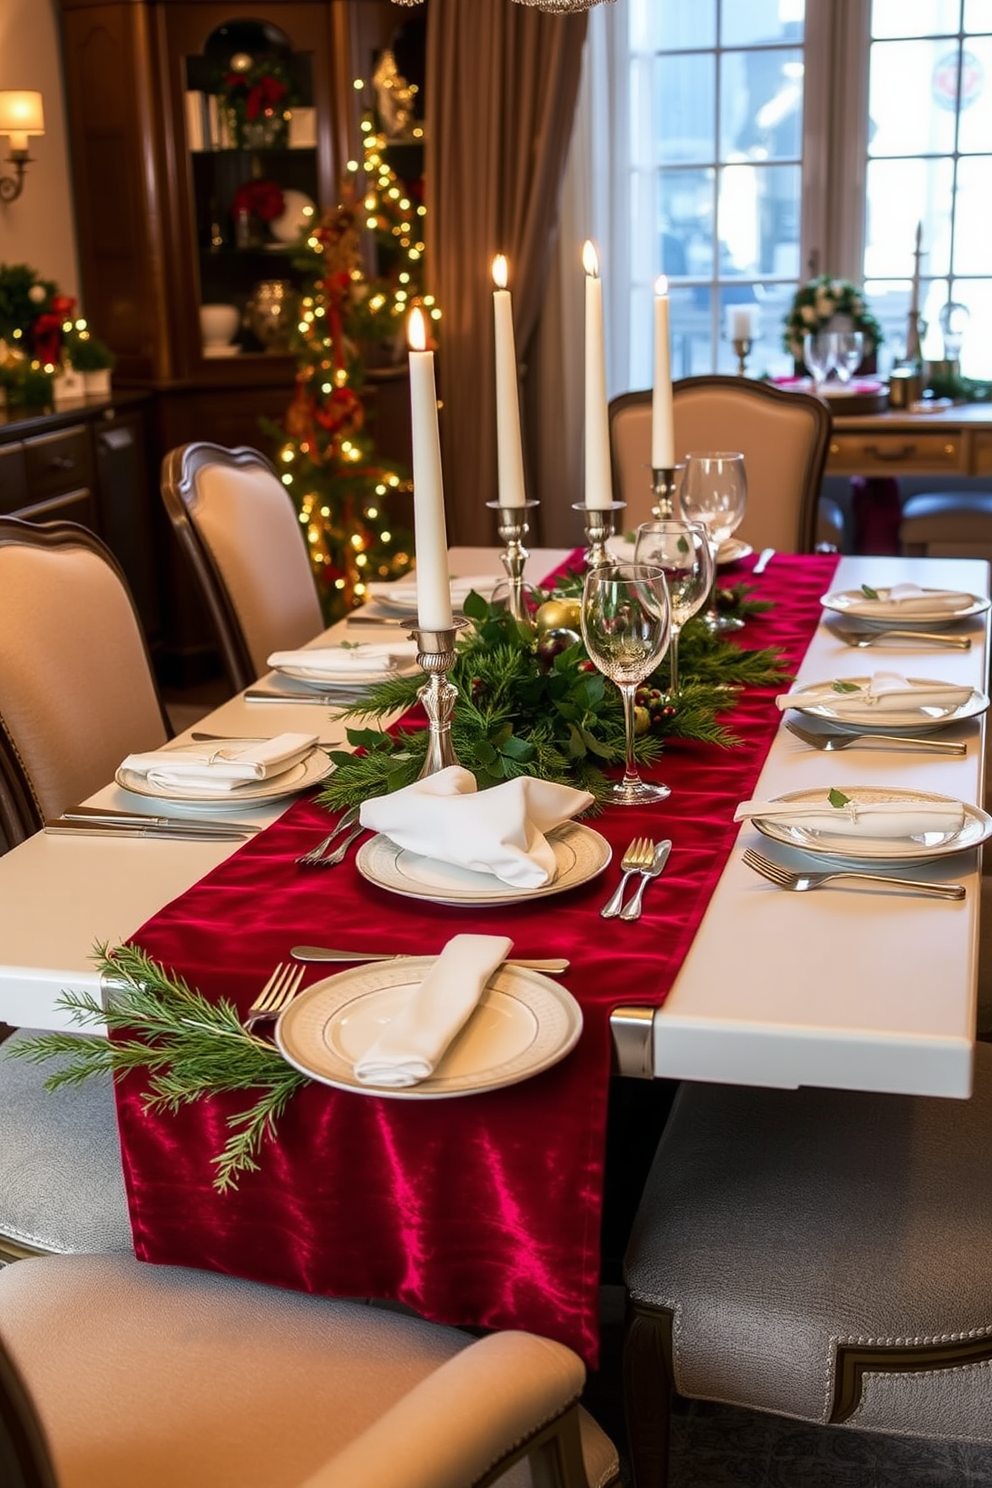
(21, 114)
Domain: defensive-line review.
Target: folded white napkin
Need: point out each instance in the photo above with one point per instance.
(222, 769)
(499, 831)
(884, 692)
(413, 1042)
(910, 599)
(404, 591)
(345, 661)
(906, 818)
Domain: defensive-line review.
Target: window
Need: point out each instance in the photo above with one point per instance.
(771, 140)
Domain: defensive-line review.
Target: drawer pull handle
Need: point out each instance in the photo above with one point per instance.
(61, 462)
(905, 452)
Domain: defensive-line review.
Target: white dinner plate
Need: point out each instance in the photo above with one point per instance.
(872, 720)
(977, 826)
(732, 551)
(404, 601)
(523, 1024)
(580, 854)
(253, 793)
(850, 602)
(353, 681)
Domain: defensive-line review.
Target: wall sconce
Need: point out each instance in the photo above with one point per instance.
(21, 115)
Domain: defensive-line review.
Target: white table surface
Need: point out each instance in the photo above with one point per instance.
(847, 988)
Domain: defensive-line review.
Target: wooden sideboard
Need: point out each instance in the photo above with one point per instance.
(954, 441)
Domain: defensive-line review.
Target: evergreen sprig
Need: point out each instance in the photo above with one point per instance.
(191, 1047)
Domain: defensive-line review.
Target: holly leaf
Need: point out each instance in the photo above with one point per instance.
(475, 607)
(837, 798)
(869, 592)
(846, 686)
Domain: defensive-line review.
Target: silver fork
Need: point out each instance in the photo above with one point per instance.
(861, 638)
(639, 855)
(785, 878)
(845, 741)
(278, 992)
(632, 910)
(315, 857)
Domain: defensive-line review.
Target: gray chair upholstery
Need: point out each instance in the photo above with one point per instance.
(947, 524)
(61, 1183)
(237, 526)
(169, 1378)
(817, 1254)
(77, 692)
(782, 435)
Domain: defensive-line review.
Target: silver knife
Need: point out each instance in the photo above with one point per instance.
(378, 620)
(326, 699)
(324, 953)
(141, 819)
(62, 826)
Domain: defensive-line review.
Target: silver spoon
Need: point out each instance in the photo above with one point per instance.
(846, 741)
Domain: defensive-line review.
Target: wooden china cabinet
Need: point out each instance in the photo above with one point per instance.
(157, 169)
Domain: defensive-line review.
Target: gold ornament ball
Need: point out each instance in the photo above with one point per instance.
(642, 720)
(559, 614)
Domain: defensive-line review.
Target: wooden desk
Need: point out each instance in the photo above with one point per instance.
(956, 441)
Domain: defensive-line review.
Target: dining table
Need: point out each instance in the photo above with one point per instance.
(726, 977)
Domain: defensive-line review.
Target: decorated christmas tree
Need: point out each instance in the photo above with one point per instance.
(354, 506)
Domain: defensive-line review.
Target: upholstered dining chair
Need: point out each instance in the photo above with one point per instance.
(119, 1373)
(236, 525)
(77, 692)
(783, 436)
(817, 1254)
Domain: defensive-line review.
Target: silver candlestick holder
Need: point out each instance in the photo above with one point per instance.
(436, 656)
(512, 526)
(742, 350)
(665, 485)
(598, 522)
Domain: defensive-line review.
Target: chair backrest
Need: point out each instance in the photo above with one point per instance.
(24, 1457)
(237, 526)
(783, 436)
(77, 692)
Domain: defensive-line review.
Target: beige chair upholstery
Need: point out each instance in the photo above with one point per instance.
(165, 1378)
(239, 531)
(947, 524)
(817, 1254)
(77, 691)
(782, 435)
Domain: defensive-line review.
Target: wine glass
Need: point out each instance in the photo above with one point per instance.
(714, 492)
(818, 354)
(849, 348)
(682, 551)
(626, 625)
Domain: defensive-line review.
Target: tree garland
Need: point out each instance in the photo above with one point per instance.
(553, 716)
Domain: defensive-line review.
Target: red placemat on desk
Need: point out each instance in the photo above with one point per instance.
(483, 1210)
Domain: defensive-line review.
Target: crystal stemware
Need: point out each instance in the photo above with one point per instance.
(682, 551)
(818, 354)
(849, 347)
(626, 625)
(714, 492)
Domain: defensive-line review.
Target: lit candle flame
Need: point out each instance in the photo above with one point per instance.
(661, 285)
(590, 259)
(499, 271)
(416, 334)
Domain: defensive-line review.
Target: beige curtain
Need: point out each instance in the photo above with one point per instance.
(501, 87)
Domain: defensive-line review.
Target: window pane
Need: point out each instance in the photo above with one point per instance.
(685, 109)
(976, 348)
(900, 194)
(686, 221)
(642, 113)
(745, 22)
(971, 231)
(978, 15)
(758, 220)
(924, 71)
(920, 18)
(975, 127)
(693, 350)
(655, 27)
(643, 219)
(761, 105)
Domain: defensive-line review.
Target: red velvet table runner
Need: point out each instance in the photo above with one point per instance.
(483, 1210)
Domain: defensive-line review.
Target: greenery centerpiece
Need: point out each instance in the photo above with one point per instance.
(257, 95)
(815, 305)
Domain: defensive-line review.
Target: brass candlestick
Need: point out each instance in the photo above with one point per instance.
(742, 350)
(512, 526)
(436, 657)
(665, 485)
(598, 522)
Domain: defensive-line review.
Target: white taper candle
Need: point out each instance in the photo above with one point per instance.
(599, 485)
(509, 450)
(430, 534)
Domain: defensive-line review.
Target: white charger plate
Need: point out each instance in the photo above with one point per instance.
(850, 602)
(347, 682)
(892, 721)
(404, 602)
(977, 826)
(523, 1024)
(309, 771)
(580, 854)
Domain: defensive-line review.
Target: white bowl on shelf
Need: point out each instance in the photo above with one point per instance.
(298, 213)
(219, 325)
